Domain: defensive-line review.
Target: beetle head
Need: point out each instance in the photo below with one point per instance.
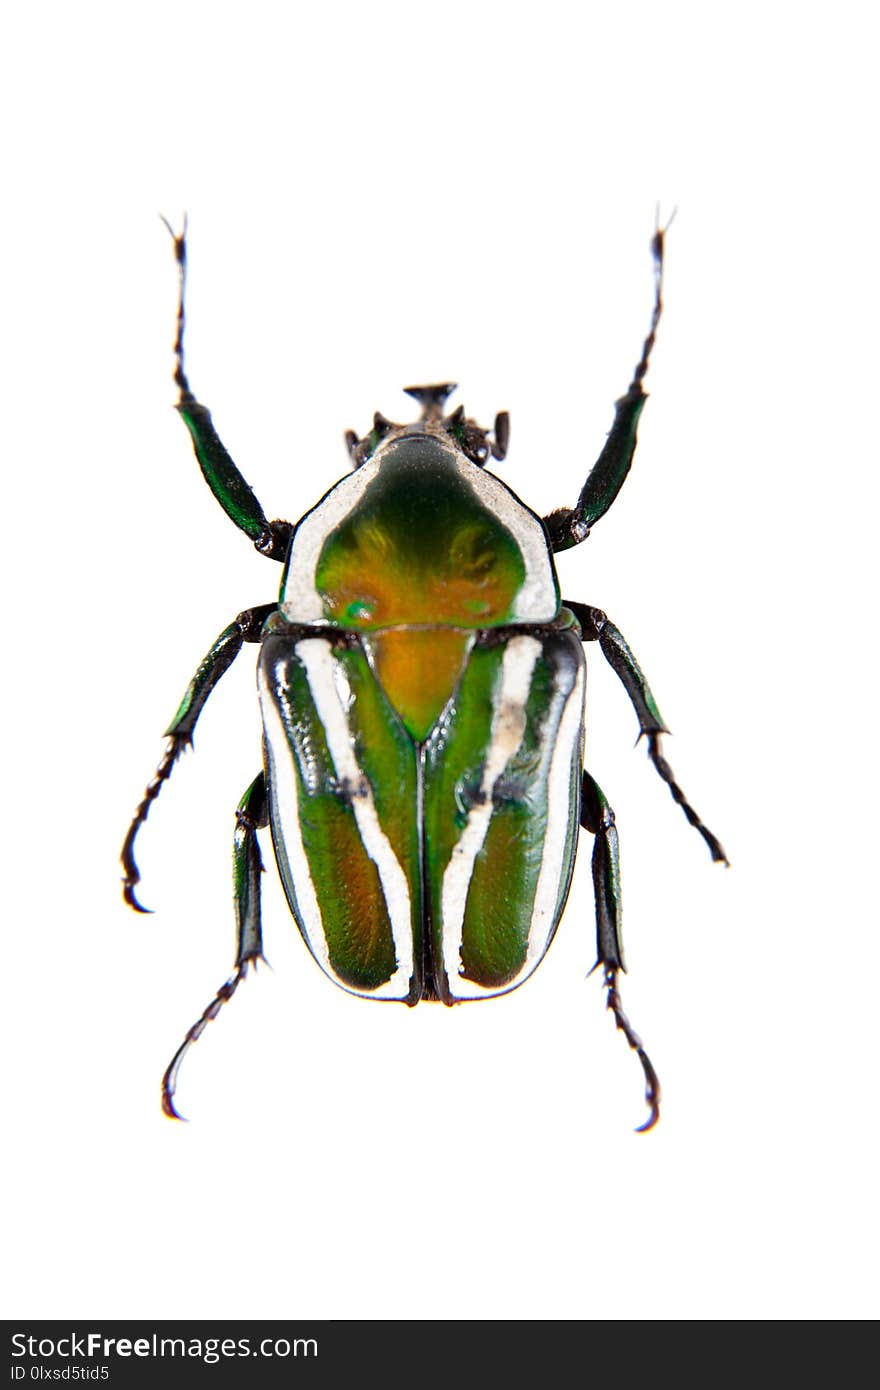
(473, 441)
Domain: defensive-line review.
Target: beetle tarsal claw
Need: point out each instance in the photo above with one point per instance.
(652, 1081)
(130, 896)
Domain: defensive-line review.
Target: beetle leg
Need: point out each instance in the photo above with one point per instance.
(235, 496)
(598, 817)
(245, 628)
(596, 627)
(247, 865)
(569, 526)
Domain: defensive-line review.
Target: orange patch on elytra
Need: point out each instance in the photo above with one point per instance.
(353, 908)
(418, 670)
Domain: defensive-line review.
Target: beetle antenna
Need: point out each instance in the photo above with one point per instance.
(223, 995)
(652, 1081)
(180, 377)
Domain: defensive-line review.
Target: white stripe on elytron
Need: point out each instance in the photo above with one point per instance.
(567, 745)
(333, 698)
(536, 601)
(505, 737)
(285, 793)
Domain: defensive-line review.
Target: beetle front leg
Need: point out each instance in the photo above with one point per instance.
(251, 815)
(228, 485)
(596, 627)
(598, 817)
(569, 526)
(245, 628)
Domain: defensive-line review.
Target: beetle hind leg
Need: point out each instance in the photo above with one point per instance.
(247, 865)
(598, 818)
(652, 1081)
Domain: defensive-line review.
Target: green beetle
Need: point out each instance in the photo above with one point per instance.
(422, 693)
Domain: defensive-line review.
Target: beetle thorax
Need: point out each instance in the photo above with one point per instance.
(417, 551)
(419, 535)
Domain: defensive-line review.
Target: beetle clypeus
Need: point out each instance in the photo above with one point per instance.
(422, 694)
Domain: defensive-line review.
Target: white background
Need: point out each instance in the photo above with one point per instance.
(381, 194)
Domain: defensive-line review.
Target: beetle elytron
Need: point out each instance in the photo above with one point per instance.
(422, 694)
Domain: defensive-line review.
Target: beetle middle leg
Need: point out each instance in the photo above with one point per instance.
(598, 818)
(251, 815)
(597, 627)
(247, 627)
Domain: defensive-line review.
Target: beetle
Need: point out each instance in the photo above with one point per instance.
(422, 693)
